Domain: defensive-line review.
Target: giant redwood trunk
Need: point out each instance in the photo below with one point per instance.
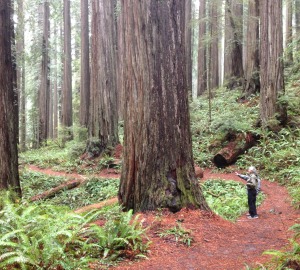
(9, 175)
(272, 79)
(188, 44)
(104, 114)
(157, 166)
(233, 58)
(252, 80)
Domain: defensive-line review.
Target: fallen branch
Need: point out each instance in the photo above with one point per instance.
(53, 191)
(96, 205)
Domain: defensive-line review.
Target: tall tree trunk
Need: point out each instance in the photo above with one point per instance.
(252, 80)
(44, 88)
(214, 45)
(55, 82)
(233, 59)
(297, 23)
(202, 50)
(157, 166)
(188, 44)
(85, 66)
(272, 79)
(21, 75)
(67, 79)
(289, 31)
(8, 128)
(104, 113)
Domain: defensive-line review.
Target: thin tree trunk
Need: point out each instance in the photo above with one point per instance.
(85, 66)
(44, 88)
(67, 79)
(214, 45)
(202, 50)
(21, 75)
(157, 166)
(188, 44)
(289, 31)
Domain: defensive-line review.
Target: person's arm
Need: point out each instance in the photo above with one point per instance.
(242, 176)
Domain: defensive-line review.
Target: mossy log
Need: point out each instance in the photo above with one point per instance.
(236, 147)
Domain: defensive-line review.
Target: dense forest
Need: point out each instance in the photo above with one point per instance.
(118, 117)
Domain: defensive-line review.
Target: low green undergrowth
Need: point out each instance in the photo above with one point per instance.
(94, 190)
(178, 233)
(227, 198)
(52, 237)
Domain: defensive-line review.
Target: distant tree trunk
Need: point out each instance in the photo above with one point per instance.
(202, 50)
(85, 66)
(104, 113)
(297, 22)
(21, 75)
(233, 59)
(157, 166)
(272, 80)
(214, 45)
(188, 44)
(289, 31)
(67, 79)
(44, 88)
(252, 80)
(55, 84)
(8, 128)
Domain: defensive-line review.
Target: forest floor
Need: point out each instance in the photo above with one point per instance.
(217, 243)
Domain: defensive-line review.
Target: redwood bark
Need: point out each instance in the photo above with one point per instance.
(157, 166)
(289, 31)
(85, 66)
(230, 153)
(252, 80)
(104, 113)
(8, 128)
(272, 79)
(44, 88)
(188, 44)
(202, 50)
(214, 44)
(67, 79)
(233, 59)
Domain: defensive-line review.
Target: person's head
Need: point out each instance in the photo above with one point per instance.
(252, 170)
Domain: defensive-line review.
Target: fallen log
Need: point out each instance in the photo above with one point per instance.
(53, 191)
(237, 146)
(96, 205)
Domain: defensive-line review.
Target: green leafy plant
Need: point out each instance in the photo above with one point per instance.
(227, 198)
(50, 237)
(178, 233)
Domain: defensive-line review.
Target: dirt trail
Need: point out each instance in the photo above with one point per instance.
(219, 244)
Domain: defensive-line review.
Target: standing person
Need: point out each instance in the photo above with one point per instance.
(253, 188)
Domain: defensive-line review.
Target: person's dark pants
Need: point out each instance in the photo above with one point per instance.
(252, 202)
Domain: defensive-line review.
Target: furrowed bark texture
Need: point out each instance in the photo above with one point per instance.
(104, 114)
(233, 59)
(252, 83)
(272, 80)
(9, 175)
(157, 166)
